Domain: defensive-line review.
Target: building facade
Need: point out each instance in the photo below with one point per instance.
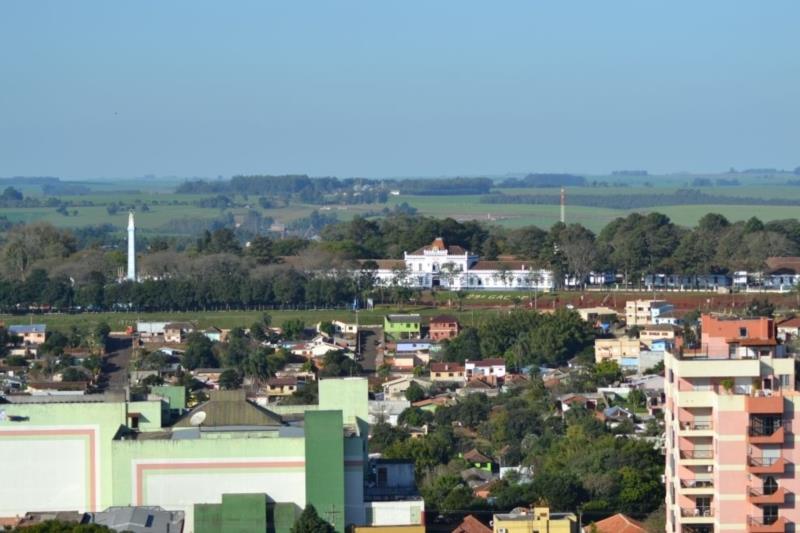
(452, 267)
(97, 454)
(730, 416)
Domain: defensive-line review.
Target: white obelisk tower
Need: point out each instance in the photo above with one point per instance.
(131, 248)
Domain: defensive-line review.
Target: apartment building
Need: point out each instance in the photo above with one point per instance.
(643, 312)
(729, 418)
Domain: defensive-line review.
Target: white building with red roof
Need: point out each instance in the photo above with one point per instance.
(453, 267)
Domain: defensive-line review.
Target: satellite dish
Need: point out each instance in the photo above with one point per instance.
(198, 418)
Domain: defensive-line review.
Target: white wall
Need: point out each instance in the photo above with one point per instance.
(42, 474)
(397, 513)
(179, 490)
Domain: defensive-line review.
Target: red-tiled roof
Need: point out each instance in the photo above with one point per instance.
(443, 319)
(619, 523)
(790, 323)
(474, 456)
(789, 263)
(470, 524)
(496, 361)
(446, 367)
(752, 342)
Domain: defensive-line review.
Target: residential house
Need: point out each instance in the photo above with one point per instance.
(176, 332)
(344, 328)
(30, 334)
(396, 388)
(402, 326)
(525, 520)
(470, 524)
(587, 400)
(214, 334)
(486, 367)
(478, 460)
(281, 387)
(443, 327)
(657, 332)
(594, 315)
(208, 376)
(387, 411)
(447, 372)
(432, 404)
(789, 328)
(151, 331)
(481, 384)
(615, 348)
(619, 523)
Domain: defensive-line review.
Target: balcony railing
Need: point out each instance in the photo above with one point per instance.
(766, 465)
(757, 496)
(759, 524)
(697, 426)
(697, 512)
(758, 435)
(697, 484)
(697, 454)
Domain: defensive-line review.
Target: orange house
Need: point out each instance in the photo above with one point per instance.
(443, 327)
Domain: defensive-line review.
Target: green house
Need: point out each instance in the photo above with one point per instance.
(402, 326)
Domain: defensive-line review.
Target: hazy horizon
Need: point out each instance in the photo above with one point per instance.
(356, 88)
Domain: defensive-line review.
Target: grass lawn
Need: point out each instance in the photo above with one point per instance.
(231, 319)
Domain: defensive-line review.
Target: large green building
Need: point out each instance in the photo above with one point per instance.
(402, 326)
(78, 453)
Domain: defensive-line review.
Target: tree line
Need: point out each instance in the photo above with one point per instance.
(43, 265)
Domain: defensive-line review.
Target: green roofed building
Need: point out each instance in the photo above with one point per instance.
(402, 326)
(228, 464)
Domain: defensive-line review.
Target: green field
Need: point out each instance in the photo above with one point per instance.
(231, 319)
(469, 207)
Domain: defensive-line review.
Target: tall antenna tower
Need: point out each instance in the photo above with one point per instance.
(563, 206)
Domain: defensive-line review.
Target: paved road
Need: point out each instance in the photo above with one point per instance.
(371, 350)
(115, 365)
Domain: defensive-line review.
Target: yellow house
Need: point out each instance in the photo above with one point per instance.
(535, 520)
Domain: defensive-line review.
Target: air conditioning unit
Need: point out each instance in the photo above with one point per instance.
(710, 468)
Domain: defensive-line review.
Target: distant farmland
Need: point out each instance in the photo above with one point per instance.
(166, 206)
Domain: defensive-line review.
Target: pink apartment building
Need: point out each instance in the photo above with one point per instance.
(730, 410)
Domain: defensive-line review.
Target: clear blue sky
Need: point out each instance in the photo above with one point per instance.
(379, 88)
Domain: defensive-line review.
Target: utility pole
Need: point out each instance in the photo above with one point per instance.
(563, 206)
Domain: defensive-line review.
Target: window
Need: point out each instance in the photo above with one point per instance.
(770, 514)
(770, 485)
(743, 332)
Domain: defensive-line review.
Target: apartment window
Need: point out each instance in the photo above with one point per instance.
(671, 376)
(743, 332)
(785, 383)
(770, 485)
(703, 506)
(770, 514)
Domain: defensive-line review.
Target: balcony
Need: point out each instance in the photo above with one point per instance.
(696, 457)
(766, 405)
(756, 496)
(766, 465)
(757, 524)
(696, 429)
(761, 436)
(696, 487)
(697, 515)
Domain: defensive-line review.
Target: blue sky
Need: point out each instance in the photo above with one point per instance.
(412, 88)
